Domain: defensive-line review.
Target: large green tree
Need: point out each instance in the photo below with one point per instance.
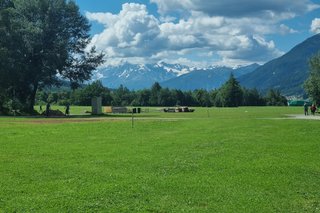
(251, 97)
(121, 96)
(231, 93)
(143, 97)
(155, 94)
(11, 55)
(202, 97)
(274, 98)
(52, 38)
(95, 89)
(312, 84)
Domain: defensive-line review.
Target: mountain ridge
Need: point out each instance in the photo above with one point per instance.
(286, 73)
(209, 78)
(140, 76)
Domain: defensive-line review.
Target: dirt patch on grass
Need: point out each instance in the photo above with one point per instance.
(296, 117)
(73, 119)
(61, 120)
(56, 120)
(304, 117)
(85, 120)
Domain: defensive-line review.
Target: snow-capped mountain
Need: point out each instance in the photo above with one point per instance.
(139, 76)
(208, 78)
(177, 76)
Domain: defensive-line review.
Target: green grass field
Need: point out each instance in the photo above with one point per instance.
(245, 159)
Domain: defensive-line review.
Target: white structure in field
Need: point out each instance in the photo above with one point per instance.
(96, 104)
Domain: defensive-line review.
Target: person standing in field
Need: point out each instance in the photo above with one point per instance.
(313, 109)
(48, 109)
(306, 109)
(67, 109)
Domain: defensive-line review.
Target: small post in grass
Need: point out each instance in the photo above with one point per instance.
(132, 120)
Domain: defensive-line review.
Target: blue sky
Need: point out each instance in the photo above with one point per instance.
(199, 32)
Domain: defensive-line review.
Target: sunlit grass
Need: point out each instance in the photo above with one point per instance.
(212, 160)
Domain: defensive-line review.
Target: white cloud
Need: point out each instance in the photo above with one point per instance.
(315, 26)
(203, 36)
(284, 29)
(103, 18)
(132, 32)
(255, 48)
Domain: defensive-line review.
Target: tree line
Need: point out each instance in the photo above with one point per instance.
(231, 94)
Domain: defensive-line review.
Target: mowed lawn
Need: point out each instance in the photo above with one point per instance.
(246, 159)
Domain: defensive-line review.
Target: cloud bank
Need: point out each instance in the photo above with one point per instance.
(315, 25)
(204, 32)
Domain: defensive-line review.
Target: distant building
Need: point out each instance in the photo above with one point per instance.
(298, 103)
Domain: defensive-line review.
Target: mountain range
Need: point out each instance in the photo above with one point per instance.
(139, 76)
(208, 78)
(286, 73)
(175, 76)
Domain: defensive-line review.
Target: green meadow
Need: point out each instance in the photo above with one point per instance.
(246, 159)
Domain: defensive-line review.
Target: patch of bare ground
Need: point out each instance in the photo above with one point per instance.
(303, 117)
(83, 120)
(297, 117)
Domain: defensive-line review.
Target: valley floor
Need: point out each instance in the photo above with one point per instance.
(212, 160)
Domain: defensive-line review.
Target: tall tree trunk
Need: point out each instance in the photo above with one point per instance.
(33, 97)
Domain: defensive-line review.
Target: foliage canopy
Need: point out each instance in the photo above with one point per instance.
(42, 43)
(312, 84)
